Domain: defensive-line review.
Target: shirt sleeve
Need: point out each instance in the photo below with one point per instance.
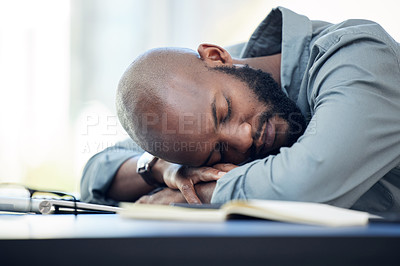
(351, 141)
(101, 169)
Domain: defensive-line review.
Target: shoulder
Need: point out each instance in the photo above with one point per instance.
(351, 31)
(354, 49)
(352, 58)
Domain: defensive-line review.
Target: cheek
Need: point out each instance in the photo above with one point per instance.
(248, 110)
(194, 152)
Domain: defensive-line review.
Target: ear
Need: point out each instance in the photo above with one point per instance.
(214, 55)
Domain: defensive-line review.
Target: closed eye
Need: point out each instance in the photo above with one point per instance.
(229, 113)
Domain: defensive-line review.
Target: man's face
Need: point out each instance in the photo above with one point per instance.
(226, 115)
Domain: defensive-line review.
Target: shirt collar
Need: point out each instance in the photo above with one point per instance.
(289, 33)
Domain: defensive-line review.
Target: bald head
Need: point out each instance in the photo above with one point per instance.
(201, 109)
(144, 88)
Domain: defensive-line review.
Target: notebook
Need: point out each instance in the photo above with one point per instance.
(284, 211)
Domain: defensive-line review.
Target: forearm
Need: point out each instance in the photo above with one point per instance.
(168, 195)
(128, 185)
(100, 170)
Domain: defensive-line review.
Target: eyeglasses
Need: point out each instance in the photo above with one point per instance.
(19, 198)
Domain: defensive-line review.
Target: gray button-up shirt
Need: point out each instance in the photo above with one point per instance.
(346, 80)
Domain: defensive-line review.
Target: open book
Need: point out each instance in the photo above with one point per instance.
(285, 211)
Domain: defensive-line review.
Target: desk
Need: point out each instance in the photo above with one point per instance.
(107, 239)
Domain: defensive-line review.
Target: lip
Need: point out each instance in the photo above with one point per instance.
(267, 138)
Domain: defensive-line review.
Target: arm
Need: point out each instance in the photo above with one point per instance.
(100, 170)
(352, 139)
(110, 176)
(168, 195)
(127, 185)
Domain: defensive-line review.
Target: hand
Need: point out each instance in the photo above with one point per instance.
(224, 167)
(168, 195)
(184, 178)
(165, 197)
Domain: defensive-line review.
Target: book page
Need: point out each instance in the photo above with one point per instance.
(299, 212)
(166, 212)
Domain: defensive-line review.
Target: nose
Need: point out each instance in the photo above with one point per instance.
(238, 137)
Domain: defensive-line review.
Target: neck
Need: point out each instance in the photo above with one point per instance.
(270, 64)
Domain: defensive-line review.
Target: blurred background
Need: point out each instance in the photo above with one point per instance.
(60, 63)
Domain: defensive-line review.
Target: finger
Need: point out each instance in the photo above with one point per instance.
(143, 200)
(200, 174)
(205, 174)
(189, 193)
(224, 167)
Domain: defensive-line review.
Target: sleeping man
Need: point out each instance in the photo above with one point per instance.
(309, 111)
